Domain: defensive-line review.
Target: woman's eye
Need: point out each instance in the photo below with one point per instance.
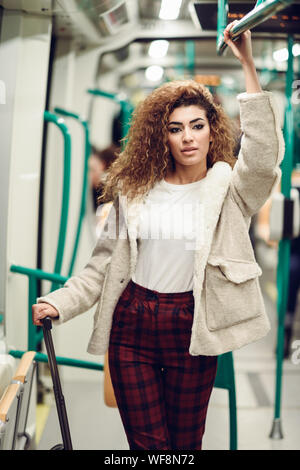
(174, 130)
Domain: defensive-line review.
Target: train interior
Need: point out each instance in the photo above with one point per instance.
(71, 73)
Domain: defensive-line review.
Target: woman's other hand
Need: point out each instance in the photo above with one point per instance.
(241, 48)
(42, 310)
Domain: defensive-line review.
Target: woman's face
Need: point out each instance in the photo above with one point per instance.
(189, 135)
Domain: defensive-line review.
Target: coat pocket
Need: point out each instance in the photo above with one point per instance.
(232, 292)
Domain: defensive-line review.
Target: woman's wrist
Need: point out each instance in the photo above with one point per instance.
(247, 62)
(251, 79)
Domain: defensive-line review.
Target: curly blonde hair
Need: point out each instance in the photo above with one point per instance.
(146, 158)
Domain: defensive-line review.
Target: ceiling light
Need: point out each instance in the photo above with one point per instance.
(296, 49)
(154, 73)
(169, 9)
(158, 49)
(281, 55)
(228, 81)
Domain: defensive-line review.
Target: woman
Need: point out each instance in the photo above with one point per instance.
(169, 305)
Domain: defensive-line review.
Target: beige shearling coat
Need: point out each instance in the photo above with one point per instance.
(229, 309)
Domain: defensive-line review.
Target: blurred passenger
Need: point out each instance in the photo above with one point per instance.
(117, 129)
(263, 232)
(99, 162)
(294, 284)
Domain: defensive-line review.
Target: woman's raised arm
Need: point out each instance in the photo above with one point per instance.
(257, 170)
(242, 49)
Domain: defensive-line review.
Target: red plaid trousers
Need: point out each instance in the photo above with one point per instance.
(161, 390)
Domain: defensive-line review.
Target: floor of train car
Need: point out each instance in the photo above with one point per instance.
(100, 427)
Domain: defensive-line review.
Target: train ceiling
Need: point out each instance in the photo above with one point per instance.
(123, 30)
(101, 22)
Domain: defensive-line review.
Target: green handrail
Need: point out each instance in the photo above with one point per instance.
(126, 106)
(260, 13)
(35, 334)
(283, 266)
(221, 20)
(225, 378)
(62, 361)
(259, 2)
(60, 123)
(87, 151)
(190, 57)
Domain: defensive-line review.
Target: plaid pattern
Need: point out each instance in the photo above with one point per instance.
(161, 390)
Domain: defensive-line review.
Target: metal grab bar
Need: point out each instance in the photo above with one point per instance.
(39, 274)
(260, 13)
(35, 335)
(126, 107)
(63, 361)
(283, 265)
(87, 151)
(60, 123)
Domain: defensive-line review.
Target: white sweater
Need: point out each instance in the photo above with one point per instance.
(166, 237)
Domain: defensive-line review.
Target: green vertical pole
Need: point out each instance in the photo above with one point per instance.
(190, 57)
(83, 195)
(59, 122)
(222, 20)
(179, 66)
(232, 403)
(296, 161)
(32, 329)
(126, 112)
(283, 267)
(87, 151)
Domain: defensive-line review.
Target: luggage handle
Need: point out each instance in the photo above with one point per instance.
(59, 398)
(47, 323)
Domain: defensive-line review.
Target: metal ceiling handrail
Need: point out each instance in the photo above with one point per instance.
(260, 13)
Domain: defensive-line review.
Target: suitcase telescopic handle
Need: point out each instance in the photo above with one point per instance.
(47, 323)
(58, 394)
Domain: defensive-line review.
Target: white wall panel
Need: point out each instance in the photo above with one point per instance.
(24, 56)
(24, 49)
